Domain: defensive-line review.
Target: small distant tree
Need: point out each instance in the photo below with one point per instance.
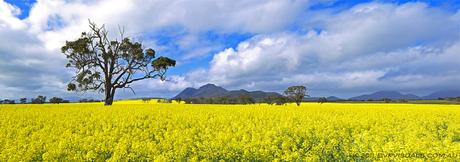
(198, 100)
(270, 99)
(403, 100)
(56, 100)
(179, 100)
(202, 100)
(162, 100)
(281, 100)
(246, 99)
(387, 100)
(322, 100)
(188, 101)
(7, 101)
(296, 93)
(223, 100)
(146, 100)
(23, 100)
(105, 65)
(83, 100)
(39, 100)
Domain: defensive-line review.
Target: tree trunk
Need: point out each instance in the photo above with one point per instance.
(108, 100)
(109, 94)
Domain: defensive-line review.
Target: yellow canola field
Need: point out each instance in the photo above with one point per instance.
(137, 131)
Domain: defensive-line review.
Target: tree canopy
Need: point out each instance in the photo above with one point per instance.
(296, 93)
(104, 64)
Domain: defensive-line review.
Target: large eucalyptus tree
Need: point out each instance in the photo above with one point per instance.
(105, 65)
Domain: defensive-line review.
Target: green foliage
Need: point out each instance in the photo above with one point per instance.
(281, 100)
(7, 101)
(241, 99)
(162, 100)
(322, 100)
(146, 100)
(275, 99)
(23, 100)
(296, 93)
(88, 100)
(246, 99)
(39, 100)
(179, 100)
(104, 65)
(455, 99)
(403, 101)
(57, 100)
(387, 100)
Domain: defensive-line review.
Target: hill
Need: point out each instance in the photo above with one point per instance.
(394, 95)
(442, 94)
(333, 98)
(211, 91)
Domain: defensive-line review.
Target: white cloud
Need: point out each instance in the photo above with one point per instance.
(263, 55)
(51, 22)
(366, 48)
(8, 15)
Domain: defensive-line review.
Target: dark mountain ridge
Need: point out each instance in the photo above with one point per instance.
(442, 94)
(211, 91)
(395, 95)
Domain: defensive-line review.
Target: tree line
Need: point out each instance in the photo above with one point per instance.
(43, 99)
(37, 100)
(294, 94)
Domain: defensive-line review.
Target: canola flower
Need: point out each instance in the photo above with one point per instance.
(140, 131)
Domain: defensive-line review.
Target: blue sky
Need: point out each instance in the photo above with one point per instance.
(341, 48)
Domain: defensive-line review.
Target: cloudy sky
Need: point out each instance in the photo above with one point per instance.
(340, 48)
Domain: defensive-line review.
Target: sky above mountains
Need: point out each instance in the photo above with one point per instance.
(340, 48)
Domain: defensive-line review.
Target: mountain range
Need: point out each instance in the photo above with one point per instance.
(211, 90)
(394, 95)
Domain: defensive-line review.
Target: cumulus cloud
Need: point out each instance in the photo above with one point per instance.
(371, 46)
(26, 67)
(8, 15)
(32, 63)
(375, 46)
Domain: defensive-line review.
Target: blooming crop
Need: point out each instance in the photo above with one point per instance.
(151, 131)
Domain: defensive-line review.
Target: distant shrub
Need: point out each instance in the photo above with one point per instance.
(179, 100)
(164, 100)
(7, 101)
(56, 100)
(387, 100)
(146, 100)
(403, 101)
(322, 100)
(281, 100)
(89, 100)
(39, 100)
(23, 100)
